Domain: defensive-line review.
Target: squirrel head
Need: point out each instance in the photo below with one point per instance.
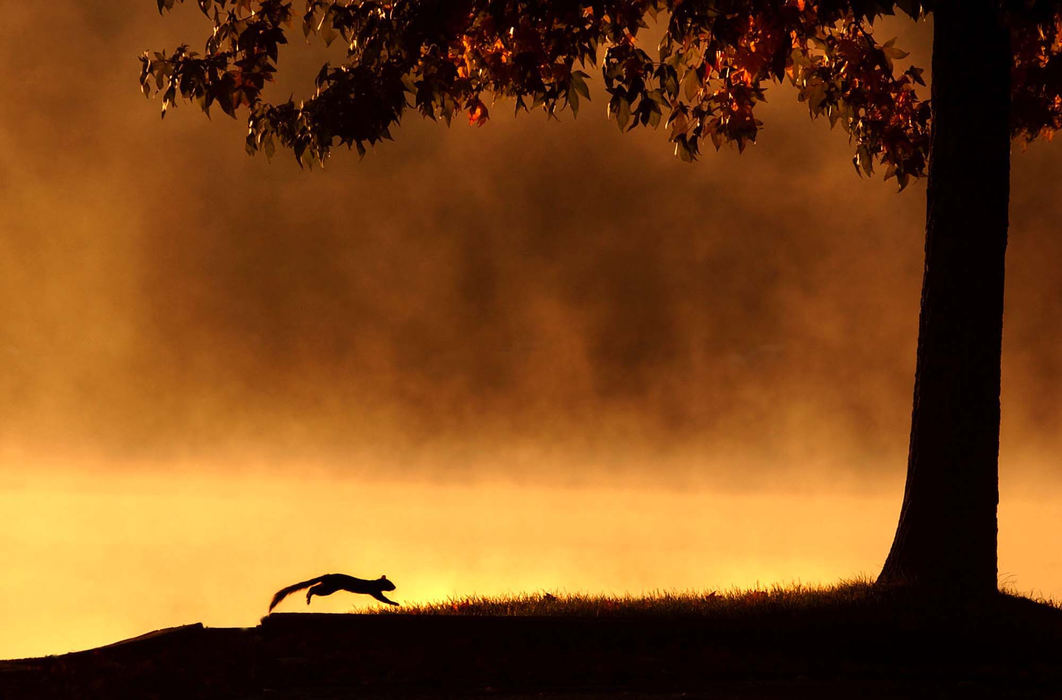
(387, 585)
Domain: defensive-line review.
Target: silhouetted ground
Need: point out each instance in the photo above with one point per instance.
(865, 644)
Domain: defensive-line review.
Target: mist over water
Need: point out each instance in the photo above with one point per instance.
(101, 561)
(595, 367)
(555, 286)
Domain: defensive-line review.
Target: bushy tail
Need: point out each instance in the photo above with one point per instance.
(285, 592)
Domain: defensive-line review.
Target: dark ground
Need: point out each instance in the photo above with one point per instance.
(1006, 647)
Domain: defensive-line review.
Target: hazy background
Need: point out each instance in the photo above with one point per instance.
(525, 356)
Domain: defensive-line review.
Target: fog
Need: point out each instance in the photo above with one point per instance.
(541, 305)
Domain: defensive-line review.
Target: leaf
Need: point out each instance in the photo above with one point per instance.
(573, 99)
(623, 114)
(328, 33)
(478, 115)
(619, 108)
(682, 150)
(915, 73)
(691, 84)
(579, 83)
(891, 51)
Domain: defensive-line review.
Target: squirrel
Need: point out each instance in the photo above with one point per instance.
(330, 583)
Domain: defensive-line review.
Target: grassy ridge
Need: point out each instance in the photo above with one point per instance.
(846, 641)
(844, 597)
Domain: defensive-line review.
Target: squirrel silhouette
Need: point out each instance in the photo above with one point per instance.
(330, 583)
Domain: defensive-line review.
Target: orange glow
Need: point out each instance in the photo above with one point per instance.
(93, 562)
(532, 356)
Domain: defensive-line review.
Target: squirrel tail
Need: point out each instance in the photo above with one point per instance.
(285, 592)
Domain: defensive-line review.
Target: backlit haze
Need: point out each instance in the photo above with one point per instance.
(529, 356)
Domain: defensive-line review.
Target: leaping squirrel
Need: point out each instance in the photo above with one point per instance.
(330, 583)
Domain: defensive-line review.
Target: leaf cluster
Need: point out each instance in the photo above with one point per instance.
(702, 82)
(1036, 74)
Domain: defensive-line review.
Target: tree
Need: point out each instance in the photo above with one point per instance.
(997, 75)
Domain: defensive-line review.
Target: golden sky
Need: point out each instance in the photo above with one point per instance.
(555, 309)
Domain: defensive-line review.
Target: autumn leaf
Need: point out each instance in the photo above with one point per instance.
(478, 115)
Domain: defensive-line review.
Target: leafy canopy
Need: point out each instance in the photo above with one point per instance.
(444, 57)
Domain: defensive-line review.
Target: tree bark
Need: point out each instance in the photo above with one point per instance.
(946, 538)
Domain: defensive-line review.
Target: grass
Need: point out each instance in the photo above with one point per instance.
(657, 604)
(797, 599)
(849, 640)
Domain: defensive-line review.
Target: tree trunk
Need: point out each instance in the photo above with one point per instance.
(946, 538)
